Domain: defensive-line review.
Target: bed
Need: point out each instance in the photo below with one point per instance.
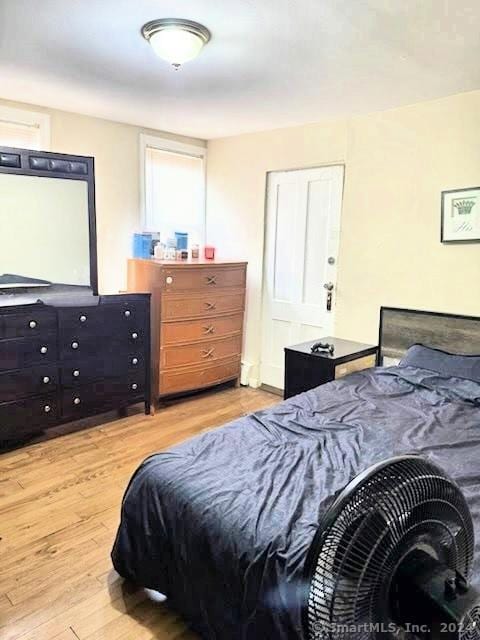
(223, 524)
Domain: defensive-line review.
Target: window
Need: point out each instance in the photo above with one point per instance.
(24, 129)
(173, 188)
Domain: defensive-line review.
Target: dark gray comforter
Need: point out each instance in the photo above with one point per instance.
(222, 523)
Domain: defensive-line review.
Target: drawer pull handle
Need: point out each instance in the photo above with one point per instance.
(127, 313)
(76, 400)
(208, 353)
(211, 279)
(211, 305)
(169, 280)
(210, 329)
(134, 360)
(46, 380)
(47, 408)
(76, 373)
(75, 345)
(134, 386)
(134, 335)
(83, 318)
(43, 349)
(32, 324)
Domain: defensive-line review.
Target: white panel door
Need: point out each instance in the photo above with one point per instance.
(301, 251)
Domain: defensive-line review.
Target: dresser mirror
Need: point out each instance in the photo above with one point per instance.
(47, 223)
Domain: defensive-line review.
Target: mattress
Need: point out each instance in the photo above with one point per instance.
(222, 523)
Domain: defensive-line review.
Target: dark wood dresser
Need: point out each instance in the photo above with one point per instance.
(197, 321)
(63, 361)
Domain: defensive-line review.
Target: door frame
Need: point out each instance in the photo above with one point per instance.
(340, 163)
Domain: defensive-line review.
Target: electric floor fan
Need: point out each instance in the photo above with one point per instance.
(393, 559)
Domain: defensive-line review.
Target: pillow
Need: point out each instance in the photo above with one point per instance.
(447, 364)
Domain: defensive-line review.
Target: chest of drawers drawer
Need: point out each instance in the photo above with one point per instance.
(86, 399)
(200, 352)
(31, 324)
(28, 382)
(76, 345)
(23, 417)
(178, 307)
(26, 352)
(188, 378)
(195, 330)
(90, 370)
(202, 278)
(102, 318)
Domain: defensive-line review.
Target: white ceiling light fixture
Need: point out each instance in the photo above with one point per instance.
(176, 40)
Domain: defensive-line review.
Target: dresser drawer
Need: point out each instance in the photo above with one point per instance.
(202, 278)
(25, 352)
(102, 395)
(103, 318)
(176, 307)
(32, 323)
(200, 352)
(18, 419)
(86, 371)
(77, 345)
(194, 330)
(28, 382)
(179, 380)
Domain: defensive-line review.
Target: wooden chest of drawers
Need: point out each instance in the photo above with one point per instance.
(60, 363)
(197, 321)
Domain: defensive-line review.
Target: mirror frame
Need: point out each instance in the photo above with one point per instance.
(28, 162)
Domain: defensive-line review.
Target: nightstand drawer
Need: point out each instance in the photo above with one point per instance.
(346, 368)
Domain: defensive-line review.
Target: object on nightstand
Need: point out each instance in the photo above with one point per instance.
(313, 363)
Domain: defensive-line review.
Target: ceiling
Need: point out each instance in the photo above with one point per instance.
(271, 63)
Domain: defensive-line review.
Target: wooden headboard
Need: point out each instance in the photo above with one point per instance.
(400, 328)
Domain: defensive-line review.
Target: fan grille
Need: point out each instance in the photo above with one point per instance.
(403, 503)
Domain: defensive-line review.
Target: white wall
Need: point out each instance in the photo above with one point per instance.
(397, 163)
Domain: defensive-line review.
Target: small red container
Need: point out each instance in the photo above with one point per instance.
(209, 253)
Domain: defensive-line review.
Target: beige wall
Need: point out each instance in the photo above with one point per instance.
(115, 147)
(397, 163)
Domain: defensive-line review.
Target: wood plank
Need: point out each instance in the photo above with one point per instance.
(59, 512)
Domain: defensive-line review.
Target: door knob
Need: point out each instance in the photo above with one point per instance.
(329, 286)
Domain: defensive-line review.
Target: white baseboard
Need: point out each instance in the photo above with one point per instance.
(249, 375)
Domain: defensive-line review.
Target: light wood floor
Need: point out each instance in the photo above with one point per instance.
(59, 510)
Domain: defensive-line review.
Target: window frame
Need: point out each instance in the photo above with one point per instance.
(172, 146)
(13, 115)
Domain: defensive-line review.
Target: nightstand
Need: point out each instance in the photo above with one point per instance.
(305, 370)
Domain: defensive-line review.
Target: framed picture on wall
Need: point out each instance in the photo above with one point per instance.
(461, 215)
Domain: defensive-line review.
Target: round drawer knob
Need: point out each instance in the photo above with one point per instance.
(134, 335)
(47, 408)
(76, 373)
(83, 318)
(46, 380)
(74, 345)
(134, 360)
(76, 401)
(134, 386)
(169, 279)
(32, 324)
(43, 349)
(127, 313)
